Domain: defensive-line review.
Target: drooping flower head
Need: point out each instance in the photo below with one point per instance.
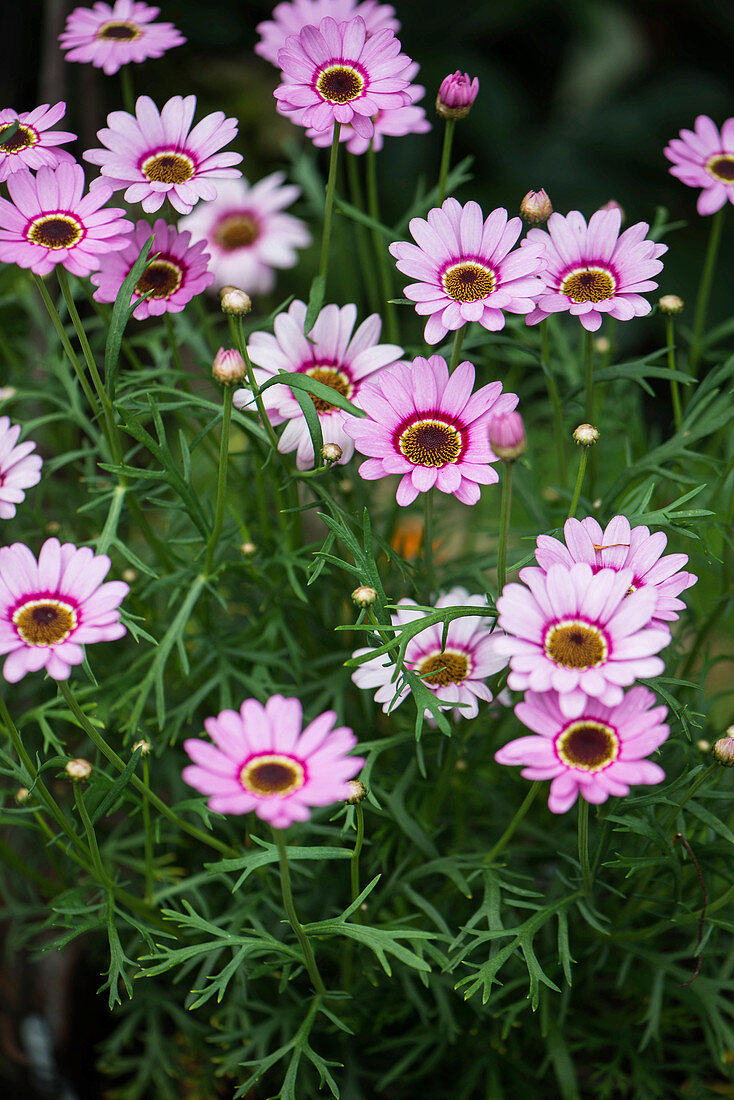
(466, 269)
(48, 222)
(456, 95)
(704, 157)
(33, 145)
(598, 753)
(112, 36)
(334, 73)
(591, 270)
(153, 155)
(291, 18)
(176, 275)
(332, 353)
(579, 633)
(263, 760)
(430, 428)
(620, 547)
(50, 608)
(19, 469)
(247, 233)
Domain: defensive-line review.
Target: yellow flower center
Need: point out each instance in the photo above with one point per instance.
(592, 284)
(430, 443)
(588, 745)
(576, 644)
(272, 775)
(55, 231)
(468, 282)
(339, 84)
(333, 377)
(169, 166)
(721, 167)
(44, 622)
(236, 231)
(161, 279)
(444, 668)
(23, 138)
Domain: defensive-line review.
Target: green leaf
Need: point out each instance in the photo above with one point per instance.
(121, 312)
(297, 381)
(315, 302)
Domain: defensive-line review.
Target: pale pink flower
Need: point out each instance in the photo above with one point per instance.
(703, 157)
(112, 36)
(19, 469)
(291, 18)
(33, 145)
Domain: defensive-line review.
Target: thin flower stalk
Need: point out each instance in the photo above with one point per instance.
(221, 481)
(380, 247)
(290, 908)
(704, 290)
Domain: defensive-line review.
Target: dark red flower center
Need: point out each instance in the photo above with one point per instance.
(44, 622)
(272, 774)
(339, 84)
(23, 138)
(55, 231)
(160, 279)
(119, 32)
(722, 167)
(588, 745)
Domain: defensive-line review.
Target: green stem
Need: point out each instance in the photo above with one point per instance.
(354, 863)
(674, 391)
(555, 402)
(510, 830)
(66, 344)
(126, 83)
(448, 138)
(285, 886)
(109, 531)
(102, 877)
(456, 348)
(505, 509)
(366, 267)
(428, 544)
(148, 826)
(173, 344)
(329, 204)
(704, 290)
(238, 336)
(221, 481)
(586, 873)
(589, 376)
(583, 459)
(380, 247)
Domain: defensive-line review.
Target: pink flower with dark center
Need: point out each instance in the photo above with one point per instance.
(622, 547)
(590, 271)
(466, 269)
(153, 155)
(288, 19)
(176, 275)
(430, 428)
(598, 753)
(247, 234)
(331, 353)
(33, 145)
(456, 673)
(50, 608)
(579, 633)
(19, 469)
(112, 36)
(263, 760)
(703, 157)
(335, 73)
(49, 222)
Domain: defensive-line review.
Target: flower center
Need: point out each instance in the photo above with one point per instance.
(721, 167)
(333, 377)
(160, 279)
(55, 231)
(272, 775)
(339, 84)
(119, 32)
(44, 622)
(23, 138)
(592, 284)
(236, 231)
(587, 745)
(168, 167)
(576, 644)
(468, 282)
(430, 443)
(444, 668)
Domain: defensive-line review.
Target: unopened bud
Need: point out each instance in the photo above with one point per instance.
(613, 205)
(130, 575)
(331, 452)
(536, 207)
(248, 549)
(723, 749)
(78, 769)
(228, 367)
(357, 792)
(670, 304)
(22, 795)
(144, 746)
(507, 436)
(7, 392)
(234, 301)
(585, 435)
(52, 527)
(703, 745)
(364, 596)
(602, 344)
(456, 95)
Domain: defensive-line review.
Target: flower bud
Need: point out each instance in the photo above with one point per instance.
(78, 769)
(248, 549)
(228, 367)
(331, 452)
(536, 207)
(130, 575)
(7, 392)
(613, 205)
(456, 95)
(364, 596)
(670, 304)
(723, 749)
(585, 435)
(357, 792)
(52, 527)
(703, 745)
(234, 301)
(144, 746)
(602, 344)
(22, 795)
(507, 436)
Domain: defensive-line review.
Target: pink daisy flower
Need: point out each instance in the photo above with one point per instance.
(48, 222)
(598, 753)
(334, 73)
(622, 547)
(592, 270)
(111, 37)
(19, 469)
(50, 608)
(33, 145)
(703, 157)
(153, 155)
(331, 353)
(176, 275)
(247, 233)
(263, 760)
(430, 428)
(466, 269)
(456, 673)
(579, 633)
(291, 18)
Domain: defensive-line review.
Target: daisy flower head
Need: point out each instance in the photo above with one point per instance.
(590, 270)
(704, 157)
(19, 469)
(33, 145)
(456, 673)
(579, 633)
(335, 73)
(430, 428)
(291, 18)
(332, 353)
(154, 154)
(465, 268)
(247, 232)
(598, 753)
(620, 546)
(50, 221)
(176, 275)
(263, 760)
(112, 36)
(50, 608)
